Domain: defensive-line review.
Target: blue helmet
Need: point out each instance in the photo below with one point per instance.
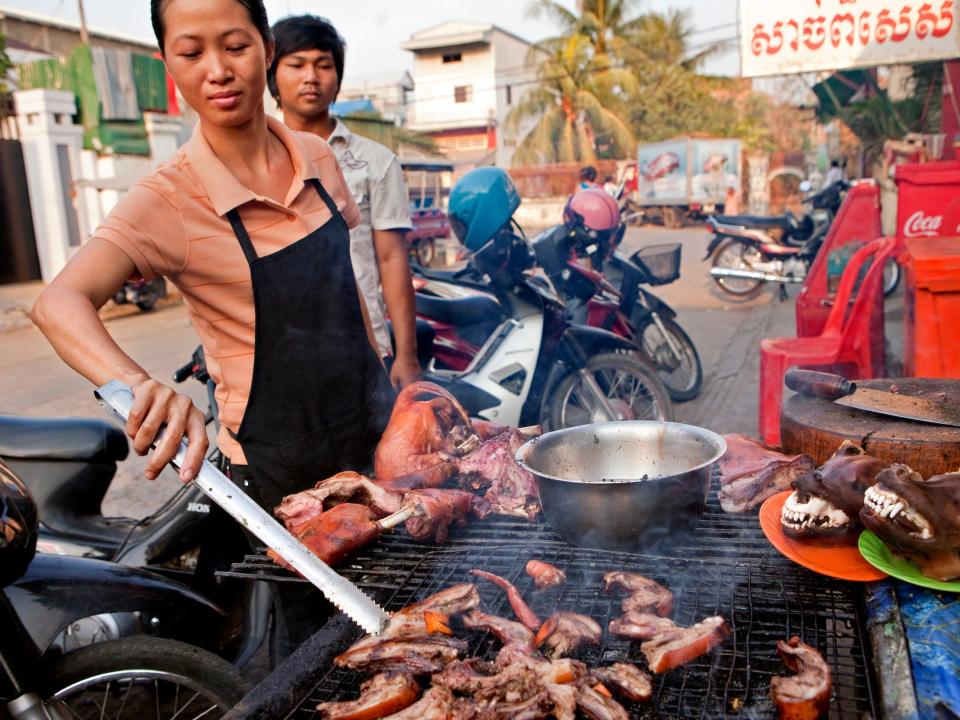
(481, 203)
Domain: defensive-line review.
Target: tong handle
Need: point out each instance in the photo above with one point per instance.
(818, 384)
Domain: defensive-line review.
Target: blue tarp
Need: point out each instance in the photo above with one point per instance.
(349, 107)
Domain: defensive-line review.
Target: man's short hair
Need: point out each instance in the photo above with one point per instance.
(305, 32)
(588, 173)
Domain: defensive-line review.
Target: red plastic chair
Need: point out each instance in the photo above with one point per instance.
(845, 337)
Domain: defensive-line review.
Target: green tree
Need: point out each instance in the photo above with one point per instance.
(606, 24)
(5, 65)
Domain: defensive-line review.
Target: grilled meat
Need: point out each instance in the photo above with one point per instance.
(597, 706)
(427, 429)
(437, 703)
(520, 608)
(512, 692)
(545, 575)
(508, 632)
(299, 508)
(438, 509)
(338, 532)
(563, 632)
(750, 472)
(640, 626)
(381, 695)
(418, 655)
(806, 695)
(680, 645)
(626, 680)
(645, 595)
(510, 489)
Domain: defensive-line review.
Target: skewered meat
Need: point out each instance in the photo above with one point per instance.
(597, 706)
(520, 608)
(437, 509)
(640, 626)
(750, 472)
(563, 632)
(427, 429)
(437, 703)
(417, 655)
(380, 695)
(545, 575)
(825, 503)
(299, 508)
(510, 489)
(806, 695)
(626, 680)
(681, 645)
(645, 595)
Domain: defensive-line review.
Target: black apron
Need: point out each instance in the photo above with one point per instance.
(320, 397)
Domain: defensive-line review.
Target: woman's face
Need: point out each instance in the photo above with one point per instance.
(217, 58)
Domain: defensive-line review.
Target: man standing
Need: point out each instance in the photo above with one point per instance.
(304, 79)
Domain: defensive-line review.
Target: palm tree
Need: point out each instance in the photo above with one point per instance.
(605, 23)
(577, 106)
(665, 38)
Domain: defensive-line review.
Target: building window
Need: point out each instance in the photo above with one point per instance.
(452, 57)
(509, 95)
(463, 93)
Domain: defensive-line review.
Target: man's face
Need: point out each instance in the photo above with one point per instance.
(307, 82)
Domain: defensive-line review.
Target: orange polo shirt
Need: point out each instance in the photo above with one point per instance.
(173, 223)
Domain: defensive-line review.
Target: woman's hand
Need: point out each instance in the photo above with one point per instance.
(404, 371)
(154, 406)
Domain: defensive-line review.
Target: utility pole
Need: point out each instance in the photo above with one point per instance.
(84, 35)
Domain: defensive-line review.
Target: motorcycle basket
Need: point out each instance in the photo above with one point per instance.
(661, 263)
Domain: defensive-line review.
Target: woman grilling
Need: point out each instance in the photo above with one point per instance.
(250, 221)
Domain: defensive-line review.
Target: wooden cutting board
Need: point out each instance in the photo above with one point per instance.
(817, 427)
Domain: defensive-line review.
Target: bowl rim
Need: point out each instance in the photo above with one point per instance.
(526, 448)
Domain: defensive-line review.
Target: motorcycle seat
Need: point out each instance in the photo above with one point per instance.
(459, 311)
(757, 221)
(30, 438)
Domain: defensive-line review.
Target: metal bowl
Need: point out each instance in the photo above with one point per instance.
(622, 485)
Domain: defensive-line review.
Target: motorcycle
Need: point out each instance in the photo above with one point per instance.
(746, 255)
(504, 345)
(69, 463)
(142, 293)
(132, 677)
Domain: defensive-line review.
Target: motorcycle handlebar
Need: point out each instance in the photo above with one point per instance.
(181, 374)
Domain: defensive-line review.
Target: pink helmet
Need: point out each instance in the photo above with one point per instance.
(595, 208)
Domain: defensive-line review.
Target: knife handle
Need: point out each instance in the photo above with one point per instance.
(819, 384)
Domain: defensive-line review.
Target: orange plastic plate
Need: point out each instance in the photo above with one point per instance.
(843, 562)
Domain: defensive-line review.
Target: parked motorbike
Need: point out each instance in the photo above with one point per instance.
(142, 293)
(746, 255)
(133, 677)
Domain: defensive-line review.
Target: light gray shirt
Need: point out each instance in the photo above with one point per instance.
(375, 179)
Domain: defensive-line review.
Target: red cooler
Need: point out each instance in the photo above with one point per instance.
(928, 203)
(932, 308)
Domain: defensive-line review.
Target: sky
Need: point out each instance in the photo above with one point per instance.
(374, 29)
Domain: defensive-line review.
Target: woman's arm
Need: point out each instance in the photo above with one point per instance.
(66, 312)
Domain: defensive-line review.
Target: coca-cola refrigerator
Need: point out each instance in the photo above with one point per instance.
(928, 202)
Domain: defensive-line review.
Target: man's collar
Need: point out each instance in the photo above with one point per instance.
(340, 131)
(221, 185)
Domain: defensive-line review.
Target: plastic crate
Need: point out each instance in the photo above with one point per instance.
(661, 263)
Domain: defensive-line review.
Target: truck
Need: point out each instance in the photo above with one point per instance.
(686, 178)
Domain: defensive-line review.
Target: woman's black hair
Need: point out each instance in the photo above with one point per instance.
(305, 32)
(254, 8)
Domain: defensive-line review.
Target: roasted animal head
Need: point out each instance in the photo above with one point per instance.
(826, 502)
(917, 518)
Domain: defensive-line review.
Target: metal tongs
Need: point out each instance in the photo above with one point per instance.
(117, 399)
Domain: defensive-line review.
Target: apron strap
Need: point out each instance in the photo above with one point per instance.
(241, 232)
(331, 205)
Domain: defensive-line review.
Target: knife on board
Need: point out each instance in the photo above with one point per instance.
(845, 392)
(117, 399)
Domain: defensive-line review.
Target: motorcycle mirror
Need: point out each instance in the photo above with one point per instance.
(805, 186)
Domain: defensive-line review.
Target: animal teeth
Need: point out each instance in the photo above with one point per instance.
(896, 509)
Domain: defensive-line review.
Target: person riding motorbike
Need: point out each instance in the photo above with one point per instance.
(251, 221)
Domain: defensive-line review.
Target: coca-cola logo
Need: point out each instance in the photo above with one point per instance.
(920, 225)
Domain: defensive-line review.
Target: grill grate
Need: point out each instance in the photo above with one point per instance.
(725, 567)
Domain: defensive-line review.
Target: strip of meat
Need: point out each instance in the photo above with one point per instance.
(645, 595)
(640, 626)
(626, 680)
(563, 632)
(806, 695)
(750, 472)
(520, 608)
(681, 645)
(437, 511)
(418, 655)
(437, 703)
(510, 489)
(545, 575)
(597, 706)
(380, 695)
(507, 632)
(348, 486)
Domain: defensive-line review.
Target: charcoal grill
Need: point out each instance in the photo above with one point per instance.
(724, 566)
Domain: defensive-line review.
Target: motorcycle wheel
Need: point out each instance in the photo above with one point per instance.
(426, 251)
(144, 677)
(683, 376)
(891, 277)
(733, 255)
(633, 387)
(148, 297)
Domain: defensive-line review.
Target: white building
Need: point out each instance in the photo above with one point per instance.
(467, 78)
(390, 93)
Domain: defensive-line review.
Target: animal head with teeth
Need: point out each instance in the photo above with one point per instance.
(825, 503)
(919, 519)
